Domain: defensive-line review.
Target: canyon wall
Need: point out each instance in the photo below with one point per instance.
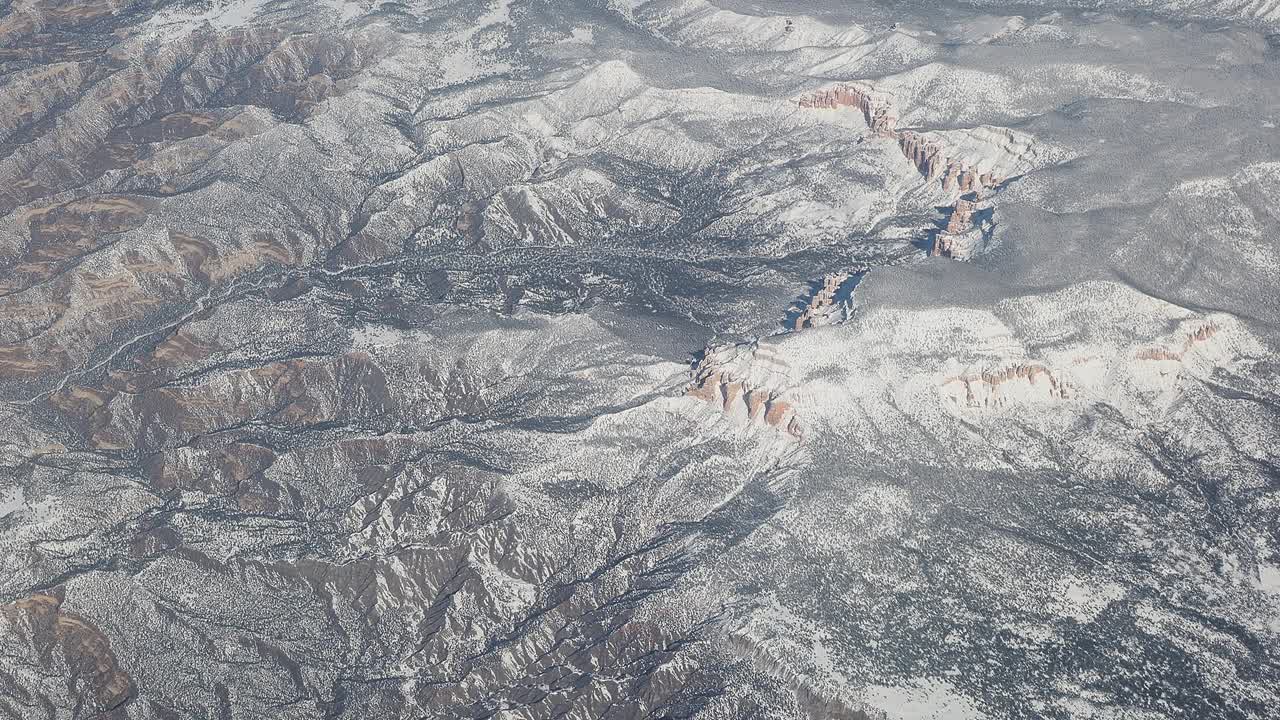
(748, 383)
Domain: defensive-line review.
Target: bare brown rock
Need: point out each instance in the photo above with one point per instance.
(715, 382)
(878, 114)
(961, 216)
(708, 389)
(821, 302)
(992, 388)
(96, 674)
(957, 239)
(776, 412)
(928, 157)
(63, 233)
(1191, 340)
(158, 414)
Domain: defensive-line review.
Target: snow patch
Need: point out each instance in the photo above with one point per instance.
(221, 14)
(12, 500)
(926, 700)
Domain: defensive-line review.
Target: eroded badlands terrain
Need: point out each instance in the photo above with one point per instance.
(639, 358)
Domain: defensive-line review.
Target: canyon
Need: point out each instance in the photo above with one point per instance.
(931, 158)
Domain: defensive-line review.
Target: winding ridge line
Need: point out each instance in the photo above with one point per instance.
(929, 157)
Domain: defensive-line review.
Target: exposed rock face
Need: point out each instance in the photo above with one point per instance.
(877, 111)
(1141, 380)
(747, 382)
(933, 159)
(117, 137)
(961, 216)
(933, 162)
(1019, 383)
(819, 309)
(928, 156)
(1199, 336)
(962, 237)
(67, 643)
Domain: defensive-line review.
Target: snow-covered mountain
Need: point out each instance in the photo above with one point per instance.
(620, 358)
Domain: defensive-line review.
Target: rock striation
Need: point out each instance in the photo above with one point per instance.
(1141, 380)
(1201, 335)
(877, 110)
(820, 308)
(64, 642)
(964, 232)
(749, 383)
(337, 348)
(1025, 382)
(961, 216)
(934, 161)
(930, 157)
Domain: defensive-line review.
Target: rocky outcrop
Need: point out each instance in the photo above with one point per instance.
(877, 111)
(820, 308)
(1203, 334)
(928, 156)
(931, 158)
(1019, 383)
(1140, 377)
(963, 235)
(961, 216)
(933, 162)
(66, 643)
(747, 383)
